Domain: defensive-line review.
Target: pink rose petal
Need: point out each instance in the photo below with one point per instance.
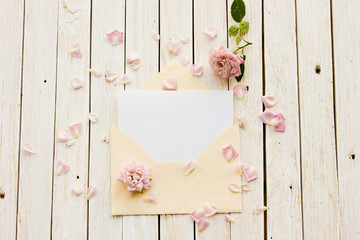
(75, 130)
(229, 218)
(242, 121)
(189, 167)
(202, 224)
(29, 148)
(197, 215)
(75, 51)
(155, 35)
(71, 140)
(267, 116)
(174, 47)
(240, 90)
(62, 136)
(133, 60)
(95, 72)
(76, 83)
(250, 173)
(184, 39)
(235, 188)
(91, 192)
(269, 100)
(259, 209)
(197, 69)
(211, 32)
(185, 59)
(111, 76)
(240, 168)
(230, 153)
(170, 84)
(61, 168)
(210, 210)
(93, 117)
(280, 127)
(125, 79)
(115, 37)
(151, 198)
(245, 187)
(77, 189)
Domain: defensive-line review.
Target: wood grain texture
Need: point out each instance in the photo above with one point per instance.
(248, 225)
(106, 17)
(346, 29)
(176, 21)
(37, 124)
(318, 150)
(139, 39)
(283, 185)
(11, 18)
(69, 211)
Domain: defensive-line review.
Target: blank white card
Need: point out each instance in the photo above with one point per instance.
(174, 126)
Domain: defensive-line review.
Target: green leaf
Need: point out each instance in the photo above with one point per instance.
(244, 27)
(238, 10)
(242, 68)
(238, 40)
(233, 31)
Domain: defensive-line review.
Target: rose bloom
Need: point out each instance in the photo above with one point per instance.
(135, 176)
(224, 63)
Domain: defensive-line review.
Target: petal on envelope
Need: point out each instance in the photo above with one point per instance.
(115, 37)
(91, 192)
(211, 32)
(62, 167)
(259, 209)
(185, 59)
(269, 100)
(229, 218)
(240, 90)
(240, 168)
(174, 47)
(77, 190)
(62, 136)
(29, 148)
(170, 84)
(75, 130)
(155, 35)
(184, 39)
(189, 167)
(245, 187)
(235, 188)
(75, 51)
(111, 76)
(197, 69)
(151, 198)
(95, 72)
(197, 215)
(125, 79)
(230, 153)
(242, 121)
(76, 83)
(93, 117)
(250, 173)
(202, 224)
(210, 210)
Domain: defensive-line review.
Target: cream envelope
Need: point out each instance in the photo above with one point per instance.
(175, 192)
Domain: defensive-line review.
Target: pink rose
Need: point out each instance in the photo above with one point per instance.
(224, 63)
(135, 177)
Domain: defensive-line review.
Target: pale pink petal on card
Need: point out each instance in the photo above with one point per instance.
(202, 224)
(259, 209)
(151, 198)
(111, 76)
(189, 167)
(62, 167)
(95, 72)
(29, 148)
(242, 121)
(245, 187)
(235, 188)
(210, 210)
(269, 101)
(230, 153)
(185, 59)
(229, 218)
(197, 215)
(174, 47)
(77, 189)
(75, 129)
(91, 192)
(240, 90)
(75, 51)
(62, 136)
(267, 116)
(155, 35)
(197, 69)
(115, 37)
(250, 173)
(170, 84)
(184, 39)
(76, 83)
(211, 32)
(93, 117)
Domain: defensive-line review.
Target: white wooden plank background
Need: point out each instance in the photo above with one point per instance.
(308, 175)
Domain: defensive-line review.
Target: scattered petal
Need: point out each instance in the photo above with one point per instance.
(235, 188)
(242, 121)
(170, 84)
(155, 35)
(230, 153)
(111, 76)
(77, 190)
(185, 59)
(125, 79)
(75, 130)
(267, 116)
(189, 167)
(29, 148)
(61, 168)
(93, 117)
(75, 51)
(197, 215)
(91, 192)
(115, 37)
(250, 173)
(269, 101)
(210, 210)
(76, 83)
(133, 60)
(202, 224)
(95, 72)
(280, 127)
(174, 47)
(197, 69)
(62, 136)
(151, 198)
(240, 90)
(229, 218)
(278, 118)
(272, 119)
(240, 168)
(245, 187)
(105, 138)
(211, 32)
(260, 209)
(70, 141)
(184, 39)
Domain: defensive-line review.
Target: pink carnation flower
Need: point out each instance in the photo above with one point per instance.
(135, 177)
(224, 63)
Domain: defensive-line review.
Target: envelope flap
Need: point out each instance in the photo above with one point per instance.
(174, 69)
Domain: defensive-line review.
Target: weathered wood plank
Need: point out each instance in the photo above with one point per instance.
(11, 15)
(248, 225)
(37, 124)
(69, 211)
(139, 39)
(106, 17)
(176, 21)
(346, 29)
(283, 185)
(318, 154)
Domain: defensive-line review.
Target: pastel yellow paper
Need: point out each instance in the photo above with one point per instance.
(176, 193)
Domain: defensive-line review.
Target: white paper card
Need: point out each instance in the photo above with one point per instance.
(174, 126)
